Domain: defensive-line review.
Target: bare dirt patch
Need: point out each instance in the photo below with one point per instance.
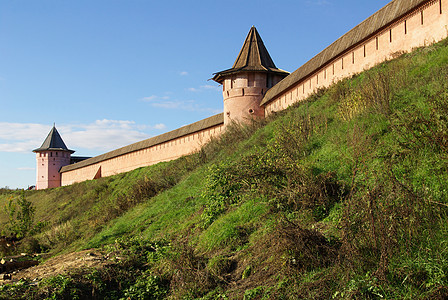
(62, 264)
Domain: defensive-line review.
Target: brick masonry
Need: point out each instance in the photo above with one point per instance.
(425, 24)
(420, 27)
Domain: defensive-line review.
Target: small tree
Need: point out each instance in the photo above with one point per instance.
(21, 216)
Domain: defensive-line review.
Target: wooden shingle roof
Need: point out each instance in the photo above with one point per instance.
(253, 57)
(381, 19)
(53, 142)
(212, 121)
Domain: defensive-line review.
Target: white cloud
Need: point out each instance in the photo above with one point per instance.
(20, 131)
(154, 98)
(102, 138)
(183, 73)
(159, 126)
(26, 169)
(103, 135)
(21, 137)
(172, 104)
(187, 105)
(205, 87)
(150, 98)
(211, 87)
(23, 147)
(318, 2)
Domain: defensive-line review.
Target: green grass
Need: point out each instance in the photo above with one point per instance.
(159, 216)
(341, 196)
(232, 230)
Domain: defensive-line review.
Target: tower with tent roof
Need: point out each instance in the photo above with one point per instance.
(50, 158)
(245, 84)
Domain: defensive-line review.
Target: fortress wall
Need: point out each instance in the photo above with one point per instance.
(424, 24)
(144, 153)
(400, 26)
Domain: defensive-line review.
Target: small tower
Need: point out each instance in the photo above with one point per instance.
(50, 158)
(245, 84)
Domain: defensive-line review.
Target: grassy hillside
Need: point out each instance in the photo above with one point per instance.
(343, 196)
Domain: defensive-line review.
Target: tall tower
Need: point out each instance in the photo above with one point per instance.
(245, 84)
(50, 158)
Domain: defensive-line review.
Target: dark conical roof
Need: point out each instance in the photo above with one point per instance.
(53, 142)
(253, 57)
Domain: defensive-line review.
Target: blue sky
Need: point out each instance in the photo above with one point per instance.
(113, 72)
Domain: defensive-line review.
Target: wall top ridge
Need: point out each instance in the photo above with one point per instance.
(393, 11)
(165, 137)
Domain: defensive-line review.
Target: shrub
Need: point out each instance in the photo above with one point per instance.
(380, 221)
(220, 266)
(303, 249)
(190, 276)
(58, 235)
(21, 216)
(147, 287)
(59, 287)
(277, 172)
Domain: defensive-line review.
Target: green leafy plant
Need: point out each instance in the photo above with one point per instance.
(59, 287)
(147, 287)
(253, 293)
(21, 216)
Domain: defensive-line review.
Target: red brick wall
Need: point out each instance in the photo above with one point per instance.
(162, 152)
(402, 36)
(48, 164)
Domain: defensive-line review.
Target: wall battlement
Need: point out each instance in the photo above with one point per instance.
(399, 27)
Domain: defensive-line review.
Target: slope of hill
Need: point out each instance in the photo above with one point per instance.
(343, 196)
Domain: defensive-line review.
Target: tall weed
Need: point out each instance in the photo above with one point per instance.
(278, 172)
